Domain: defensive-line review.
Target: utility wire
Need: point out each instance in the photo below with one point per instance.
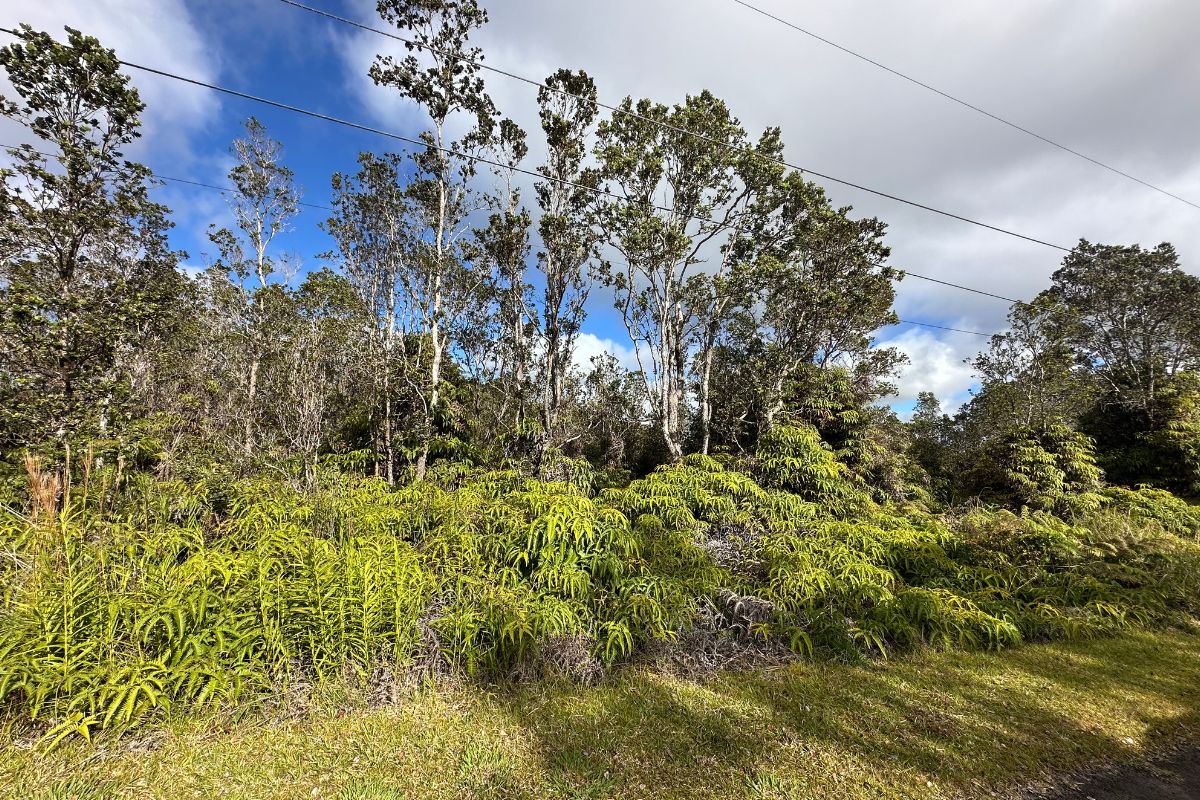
(483, 160)
(687, 132)
(405, 139)
(672, 127)
(224, 190)
(451, 151)
(160, 176)
(964, 288)
(962, 102)
(538, 175)
(944, 328)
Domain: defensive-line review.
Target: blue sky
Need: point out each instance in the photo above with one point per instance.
(1113, 79)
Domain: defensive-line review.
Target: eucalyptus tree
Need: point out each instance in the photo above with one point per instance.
(86, 273)
(675, 174)
(716, 298)
(264, 201)
(445, 82)
(567, 109)
(372, 225)
(499, 339)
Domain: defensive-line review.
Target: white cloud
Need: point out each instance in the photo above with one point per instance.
(936, 364)
(588, 345)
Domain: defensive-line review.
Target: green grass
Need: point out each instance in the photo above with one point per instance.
(933, 724)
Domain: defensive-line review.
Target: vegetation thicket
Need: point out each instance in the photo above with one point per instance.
(164, 594)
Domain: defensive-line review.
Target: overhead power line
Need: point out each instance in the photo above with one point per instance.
(539, 176)
(944, 328)
(965, 104)
(397, 137)
(964, 288)
(481, 159)
(675, 128)
(161, 177)
(459, 154)
(227, 189)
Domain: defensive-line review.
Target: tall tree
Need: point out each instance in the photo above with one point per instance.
(263, 202)
(445, 82)
(751, 221)
(1139, 317)
(85, 267)
(675, 172)
(505, 348)
(372, 226)
(567, 109)
(819, 287)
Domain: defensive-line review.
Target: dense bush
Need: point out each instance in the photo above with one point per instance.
(159, 595)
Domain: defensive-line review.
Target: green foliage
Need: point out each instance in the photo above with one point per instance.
(795, 459)
(1156, 505)
(1050, 468)
(160, 595)
(87, 273)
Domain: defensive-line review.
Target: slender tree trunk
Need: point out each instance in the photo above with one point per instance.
(705, 398)
(775, 405)
(673, 380)
(389, 341)
(251, 399)
(552, 382)
(435, 366)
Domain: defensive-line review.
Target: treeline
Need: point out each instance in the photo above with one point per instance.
(1095, 378)
(443, 328)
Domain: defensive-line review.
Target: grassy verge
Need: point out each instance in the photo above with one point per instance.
(934, 724)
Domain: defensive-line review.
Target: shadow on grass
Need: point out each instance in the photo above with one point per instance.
(1172, 773)
(933, 724)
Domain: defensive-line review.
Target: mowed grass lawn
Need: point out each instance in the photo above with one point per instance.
(931, 724)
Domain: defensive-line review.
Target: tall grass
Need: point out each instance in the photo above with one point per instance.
(127, 605)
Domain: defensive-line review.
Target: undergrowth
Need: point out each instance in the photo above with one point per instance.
(136, 601)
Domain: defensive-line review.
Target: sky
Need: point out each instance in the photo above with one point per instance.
(1114, 79)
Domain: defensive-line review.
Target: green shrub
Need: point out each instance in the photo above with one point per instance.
(166, 595)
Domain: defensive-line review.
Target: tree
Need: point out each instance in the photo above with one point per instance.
(1139, 317)
(714, 299)
(567, 109)
(439, 280)
(264, 201)
(1030, 374)
(371, 225)
(503, 350)
(86, 273)
(313, 379)
(688, 154)
(1138, 334)
(930, 444)
(824, 291)
(818, 288)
